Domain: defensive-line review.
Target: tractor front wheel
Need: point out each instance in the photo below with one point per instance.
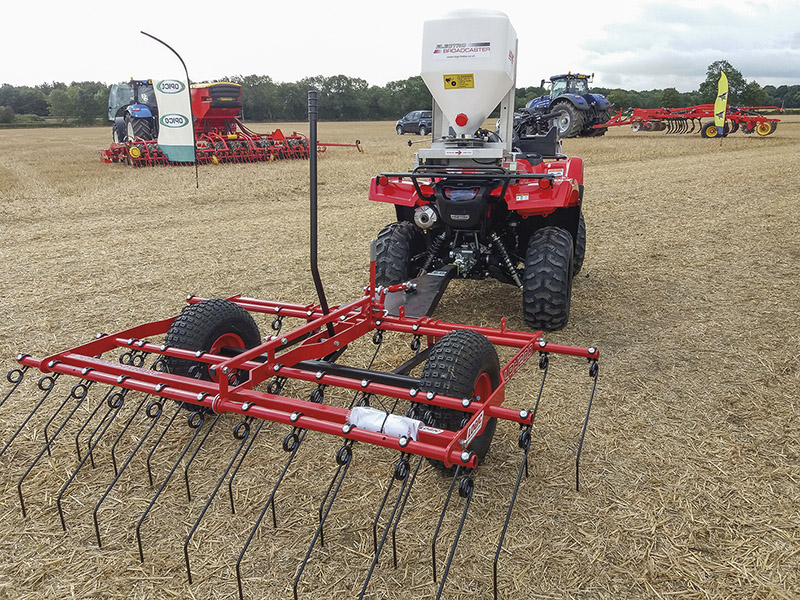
(118, 130)
(463, 364)
(569, 121)
(398, 252)
(209, 326)
(547, 282)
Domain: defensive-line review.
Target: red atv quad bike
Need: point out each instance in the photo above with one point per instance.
(517, 219)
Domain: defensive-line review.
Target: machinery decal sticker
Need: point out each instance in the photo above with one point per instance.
(463, 50)
(459, 81)
(170, 86)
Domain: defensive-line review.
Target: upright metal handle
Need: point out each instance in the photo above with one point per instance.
(313, 111)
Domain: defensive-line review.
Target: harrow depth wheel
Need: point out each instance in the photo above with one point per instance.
(209, 326)
(463, 364)
(764, 128)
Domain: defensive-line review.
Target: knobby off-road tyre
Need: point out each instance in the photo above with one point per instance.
(547, 282)
(395, 251)
(463, 364)
(209, 326)
(570, 122)
(580, 247)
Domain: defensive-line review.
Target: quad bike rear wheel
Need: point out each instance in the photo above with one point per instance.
(580, 247)
(570, 120)
(209, 326)
(399, 245)
(463, 364)
(547, 282)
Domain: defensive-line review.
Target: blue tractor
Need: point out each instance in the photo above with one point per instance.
(578, 110)
(133, 109)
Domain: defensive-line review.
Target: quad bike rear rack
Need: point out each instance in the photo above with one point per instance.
(250, 382)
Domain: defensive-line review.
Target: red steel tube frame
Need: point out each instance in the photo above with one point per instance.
(279, 355)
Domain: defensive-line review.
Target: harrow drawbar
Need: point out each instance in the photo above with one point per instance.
(124, 384)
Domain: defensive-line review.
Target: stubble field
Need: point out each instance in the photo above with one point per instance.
(690, 476)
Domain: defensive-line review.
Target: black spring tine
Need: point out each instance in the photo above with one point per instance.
(593, 372)
(91, 416)
(343, 458)
(241, 460)
(196, 421)
(525, 444)
(79, 392)
(134, 360)
(121, 433)
(154, 410)
(14, 377)
(194, 455)
(544, 365)
(46, 384)
(693, 124)
(158, 441)
(116, 407)
(380, 510)
(401, 472)
(441, 518)
(465, 491)
(400, 512)
(85, 386)
(291, 446)
(89, 442)
(240, 432)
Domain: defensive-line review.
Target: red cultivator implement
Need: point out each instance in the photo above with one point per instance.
(689, 120)
(220, 135)
(211, 362)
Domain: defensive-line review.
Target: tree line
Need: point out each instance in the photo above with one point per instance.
(344, 98)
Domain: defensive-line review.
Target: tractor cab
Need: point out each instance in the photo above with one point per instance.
(569, 84)
(132, 93)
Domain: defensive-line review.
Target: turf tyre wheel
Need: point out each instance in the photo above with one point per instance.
(570, 122)
(547, 281)
(138, 128)
(580, 247)
(463, 364)
(396, 249)
(209, 326)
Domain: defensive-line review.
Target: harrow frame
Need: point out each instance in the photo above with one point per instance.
(688, 119)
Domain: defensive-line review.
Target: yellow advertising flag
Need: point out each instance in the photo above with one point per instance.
(721, 103)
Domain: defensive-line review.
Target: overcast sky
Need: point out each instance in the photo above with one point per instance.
(633, 45)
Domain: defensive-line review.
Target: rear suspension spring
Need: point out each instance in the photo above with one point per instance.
(506, 258)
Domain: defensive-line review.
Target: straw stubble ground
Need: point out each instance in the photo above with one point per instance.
(690, 471)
